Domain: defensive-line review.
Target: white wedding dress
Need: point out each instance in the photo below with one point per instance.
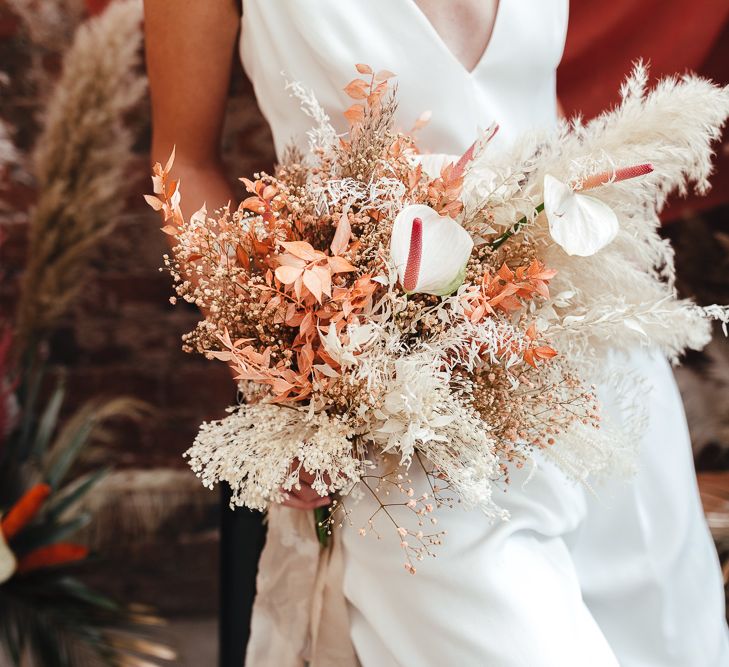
(622, 574)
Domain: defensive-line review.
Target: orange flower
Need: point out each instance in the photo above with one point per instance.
(24, 510)
(51, 556)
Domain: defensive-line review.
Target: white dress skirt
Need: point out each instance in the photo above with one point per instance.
(624, 573)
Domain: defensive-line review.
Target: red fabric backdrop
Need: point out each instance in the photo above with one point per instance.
(674, 36)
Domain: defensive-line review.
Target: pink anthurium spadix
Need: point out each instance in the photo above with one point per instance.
(429, 251)
(581, 224)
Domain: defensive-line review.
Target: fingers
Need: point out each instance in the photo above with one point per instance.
(305, 497)
(299, 503)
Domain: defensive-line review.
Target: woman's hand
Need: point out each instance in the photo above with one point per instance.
(305, 498)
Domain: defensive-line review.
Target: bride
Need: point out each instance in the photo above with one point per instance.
(621, 574)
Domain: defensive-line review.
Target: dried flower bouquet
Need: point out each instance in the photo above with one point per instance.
(442, 311)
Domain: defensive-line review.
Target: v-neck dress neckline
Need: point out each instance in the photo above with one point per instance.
(435, 36)
(318, 42)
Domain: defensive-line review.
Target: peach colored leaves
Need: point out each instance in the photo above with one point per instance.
(507, 292)
(368, 90)
(167, 199)
(301, 266)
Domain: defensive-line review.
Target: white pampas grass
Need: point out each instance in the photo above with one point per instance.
(252, 449)
(623, 296)
(322, 136)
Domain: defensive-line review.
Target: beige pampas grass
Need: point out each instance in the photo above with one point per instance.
(8, 154)
(624, 295)
(49, 24)
(80, 162)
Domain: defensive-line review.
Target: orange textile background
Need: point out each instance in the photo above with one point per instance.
(674, 36)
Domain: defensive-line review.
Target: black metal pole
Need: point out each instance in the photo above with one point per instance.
(242, 535)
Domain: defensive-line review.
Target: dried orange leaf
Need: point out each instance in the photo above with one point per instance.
(242, 257)
(545, 352)
(302, 249)
(384, 75)
(363, 69)
(158, 181)
(288, 274)
(340, 265)
(255, 204)
(170, 229)
(356, 89)
(325, 278)
(154, 202)
(342, 235)
(313, 284)
(250, 185)
(355, 114)
(170, 160)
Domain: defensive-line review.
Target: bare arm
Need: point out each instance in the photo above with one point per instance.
(189, 49)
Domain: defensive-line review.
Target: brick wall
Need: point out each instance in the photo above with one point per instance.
(123, 336)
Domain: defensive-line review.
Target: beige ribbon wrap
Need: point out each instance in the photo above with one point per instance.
(300, 616)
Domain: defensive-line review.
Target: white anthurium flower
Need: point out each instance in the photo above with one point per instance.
(7, 560)
(429, 251)
(581, 224)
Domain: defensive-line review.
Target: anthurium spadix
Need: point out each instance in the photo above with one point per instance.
(429, 251)
(581, 224)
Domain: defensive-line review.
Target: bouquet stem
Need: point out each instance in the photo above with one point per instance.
(321, 517)
(510, 232)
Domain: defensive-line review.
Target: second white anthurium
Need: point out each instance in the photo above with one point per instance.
(429, 251)
(581, 224)
(7, 560)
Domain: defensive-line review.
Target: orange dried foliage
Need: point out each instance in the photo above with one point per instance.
(507, 291)
(166, 196)
(367, 92)
(535, 353)
(444, 192)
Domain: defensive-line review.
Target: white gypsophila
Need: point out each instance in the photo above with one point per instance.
(417, 406)
(419, 412)
(623, 296)
(322, 135)
(253, 447)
